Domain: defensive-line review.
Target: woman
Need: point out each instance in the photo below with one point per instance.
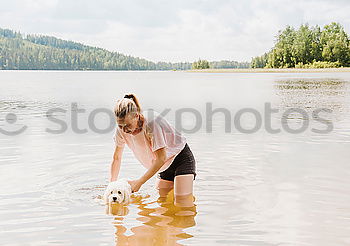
(158, 146)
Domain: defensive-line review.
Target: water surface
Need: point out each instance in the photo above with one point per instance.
(258, 188)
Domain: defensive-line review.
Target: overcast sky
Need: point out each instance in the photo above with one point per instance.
(176, 30)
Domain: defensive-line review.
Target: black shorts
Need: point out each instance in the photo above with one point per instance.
(183, 163)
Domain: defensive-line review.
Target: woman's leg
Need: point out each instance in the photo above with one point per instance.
(164, 186)
(183, 190)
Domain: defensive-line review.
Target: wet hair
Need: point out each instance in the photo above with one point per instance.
(129, 104)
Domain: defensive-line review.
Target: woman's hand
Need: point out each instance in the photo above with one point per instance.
(135, 185)
(156, 165)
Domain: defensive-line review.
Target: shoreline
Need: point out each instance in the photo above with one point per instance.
(210, 70)
(271, 70)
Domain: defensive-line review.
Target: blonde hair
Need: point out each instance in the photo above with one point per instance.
(129, 104)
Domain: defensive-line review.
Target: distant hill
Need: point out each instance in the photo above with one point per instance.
(38, 52)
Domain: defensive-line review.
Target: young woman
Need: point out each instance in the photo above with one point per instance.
(158, 146)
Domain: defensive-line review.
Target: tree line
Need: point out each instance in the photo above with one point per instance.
(307, 47)
(204, 64)
(39, 52)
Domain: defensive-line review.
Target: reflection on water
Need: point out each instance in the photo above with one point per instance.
(162, 224)
(251, 189)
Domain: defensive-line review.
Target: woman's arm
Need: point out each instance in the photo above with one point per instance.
(115, 166)
(156, 165)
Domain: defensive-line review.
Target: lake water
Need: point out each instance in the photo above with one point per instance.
(254, 185)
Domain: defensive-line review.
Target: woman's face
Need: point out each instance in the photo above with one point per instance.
(131, 124)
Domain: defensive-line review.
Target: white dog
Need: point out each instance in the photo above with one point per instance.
(118, 192)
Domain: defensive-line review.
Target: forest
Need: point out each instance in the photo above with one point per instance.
(307, 47)
(39, 52)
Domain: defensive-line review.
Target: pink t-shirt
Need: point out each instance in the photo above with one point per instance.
(164, 135)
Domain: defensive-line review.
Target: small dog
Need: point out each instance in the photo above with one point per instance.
(118, 192)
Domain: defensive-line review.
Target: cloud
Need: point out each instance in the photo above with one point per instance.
(134, 13)
(182, 30)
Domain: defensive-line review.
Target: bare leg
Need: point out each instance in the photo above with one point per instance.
(183, 190)
(164, 186)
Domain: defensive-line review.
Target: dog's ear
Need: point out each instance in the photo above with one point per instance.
(126, 196)
(106, 193)
(105, 196)
(128, 188)
(127, 193)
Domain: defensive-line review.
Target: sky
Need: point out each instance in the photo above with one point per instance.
(172, 31)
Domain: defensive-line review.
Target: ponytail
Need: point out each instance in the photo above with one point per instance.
(136, 101)
(128, 104)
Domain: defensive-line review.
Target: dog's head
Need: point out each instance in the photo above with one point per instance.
(118, 192)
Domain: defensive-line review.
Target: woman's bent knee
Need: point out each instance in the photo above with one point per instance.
(164, 186)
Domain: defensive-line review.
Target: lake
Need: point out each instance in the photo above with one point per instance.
(272, 153)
